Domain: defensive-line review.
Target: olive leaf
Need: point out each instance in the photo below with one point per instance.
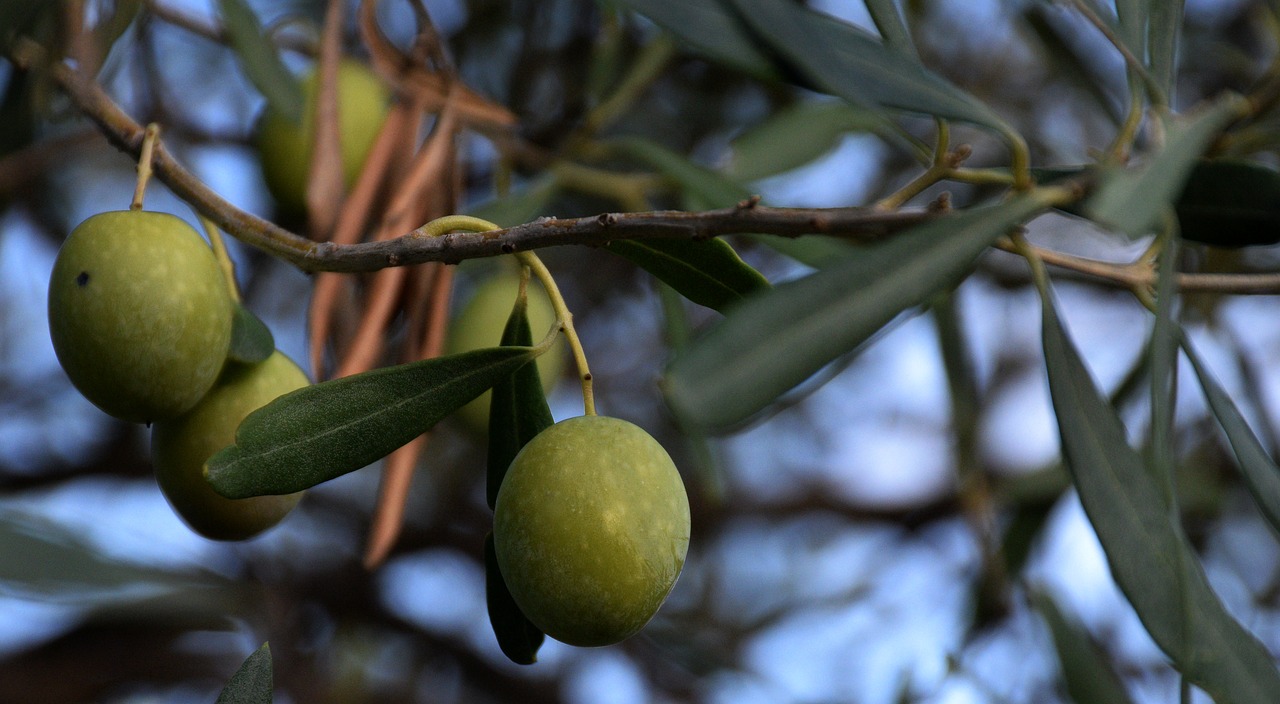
(773, 341)
(260, 61)
(1086, 671)
(517, 406)
(252, 683)
(1131, 200)
(854, 64)
(321, 432)
(798, 134)
(707, 272)
(518, 638)
(1230, 204)
(709, 28)
(1261, 474)
(1150, 556)
(251, 339)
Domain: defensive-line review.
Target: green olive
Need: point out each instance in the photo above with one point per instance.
(181, 448)
(139, 314)
(285, 146)
(481, 322)
(590, 529)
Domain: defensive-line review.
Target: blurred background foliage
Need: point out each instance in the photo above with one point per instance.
(903, 531)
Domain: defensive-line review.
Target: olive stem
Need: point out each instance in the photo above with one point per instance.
(564, 318)
(227, 266)
(149, 137)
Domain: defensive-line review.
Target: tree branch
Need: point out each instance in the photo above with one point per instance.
(854, 223)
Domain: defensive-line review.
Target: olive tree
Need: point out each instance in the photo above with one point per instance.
(620, 167)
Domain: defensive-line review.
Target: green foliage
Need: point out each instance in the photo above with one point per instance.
(251, 339)
(1138, 525)
(1088, 676)
(324, 431)
(736, 369)
(1131, 200)
(251, 684)
(260, 60)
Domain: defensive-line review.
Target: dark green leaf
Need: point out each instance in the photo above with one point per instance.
(888, 21)
(1261, 474)
(518, 406)
(260, 61)
(800, 134)
(1085, 670)
(323, 431)
(1131, 200)
(849, 62)
(817, 252)
(709, 272)
(774, 341)
(1149, 554)
(1163, 352)
(1230, 204)
(517, 636)
(1131, 18)
(1061, 52)
(1164, 27)
(251, 684)
(711, 29)
(251, 339)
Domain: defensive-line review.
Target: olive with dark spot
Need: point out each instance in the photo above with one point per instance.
(139, 314)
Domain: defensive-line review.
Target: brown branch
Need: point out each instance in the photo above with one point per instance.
(854, 223)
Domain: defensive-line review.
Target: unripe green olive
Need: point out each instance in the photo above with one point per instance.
(139, 314)
(285, 146)
(480, 324)
(181, 448)
(590, 529)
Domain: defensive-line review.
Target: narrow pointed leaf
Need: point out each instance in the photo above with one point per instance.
(1131, 200)
(709, 273)
(1150, 556)
(517, 406)
(710, 29)
(518, 638)
(773, 341)
(1230, 204)
(1087, 674)
(849, 62)
(251, 339)
(1162, 350)
(323, 431)
(1164, 29)
(259, 59)
(888, 21)
(1261, 474)
(252, 683)
(801, 133)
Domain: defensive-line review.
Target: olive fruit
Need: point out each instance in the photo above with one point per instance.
(139, 314)
(480, 324)
(181, 448)
(590, 529)
(285, 145)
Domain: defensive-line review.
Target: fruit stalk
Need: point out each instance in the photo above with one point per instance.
(564, 318)
(149, 137)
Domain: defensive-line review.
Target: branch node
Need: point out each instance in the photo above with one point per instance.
(749, 203)
(607, 219)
